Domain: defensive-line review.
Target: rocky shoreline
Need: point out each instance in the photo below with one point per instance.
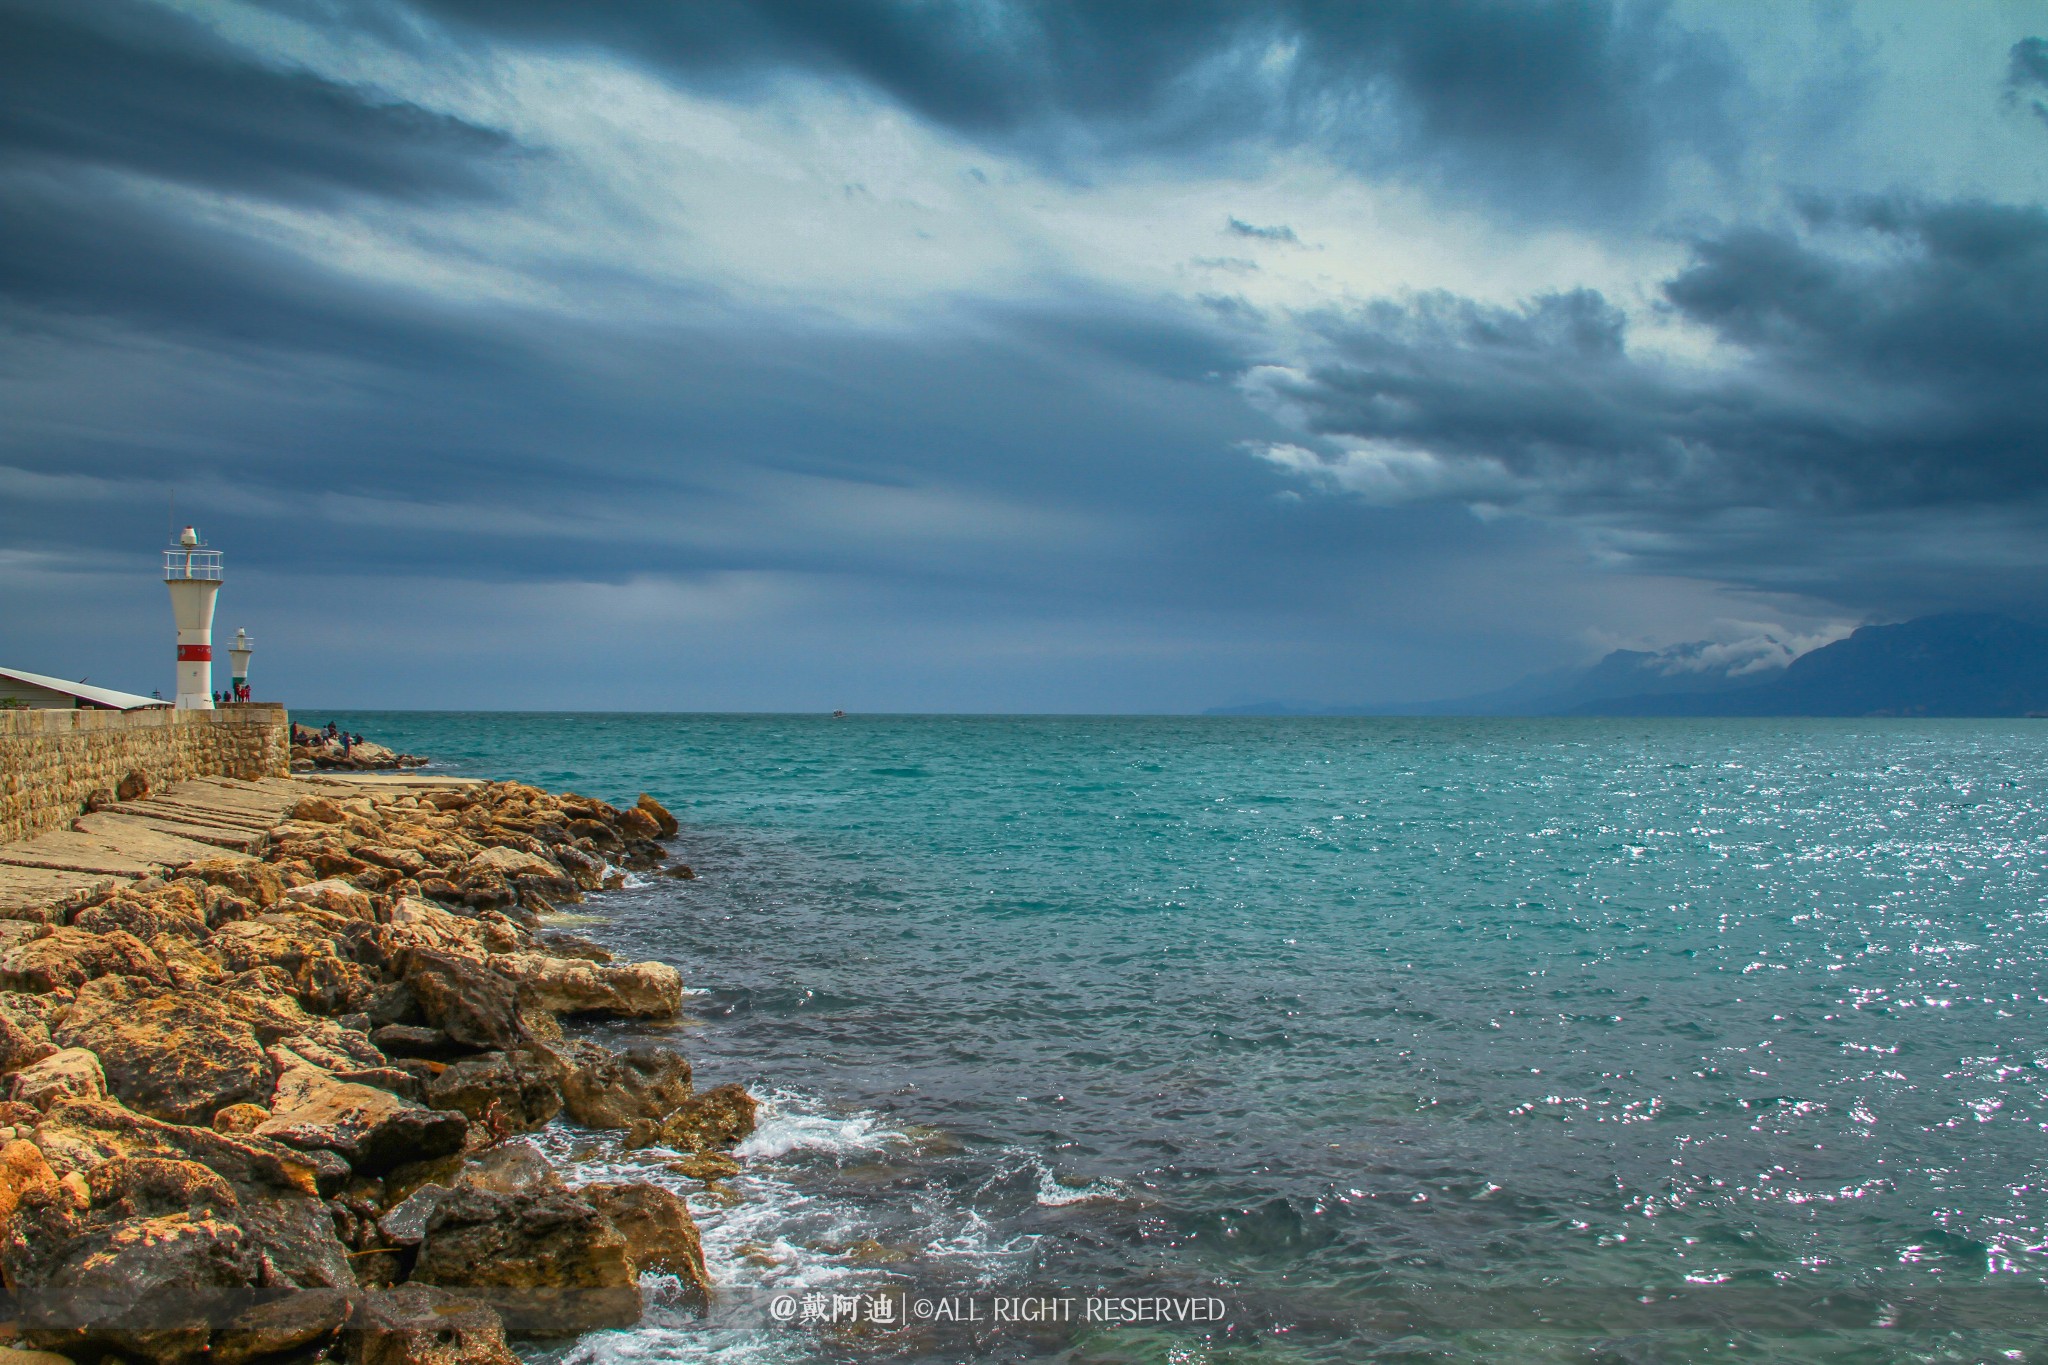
(271, 1108)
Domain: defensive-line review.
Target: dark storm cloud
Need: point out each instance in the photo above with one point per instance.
(1278, 232)
(1565, 106)
(2026, 78)
(1890, 362)
(143, 89)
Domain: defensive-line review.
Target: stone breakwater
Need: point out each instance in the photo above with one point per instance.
(270, 1108)
(54, 764)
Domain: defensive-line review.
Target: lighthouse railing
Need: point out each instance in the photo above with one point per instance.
(182, 566)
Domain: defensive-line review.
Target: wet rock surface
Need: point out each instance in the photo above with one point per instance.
(269, 1110)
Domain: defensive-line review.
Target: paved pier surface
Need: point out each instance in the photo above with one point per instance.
(207, 817)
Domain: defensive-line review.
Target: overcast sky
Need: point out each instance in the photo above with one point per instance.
(1098, 355)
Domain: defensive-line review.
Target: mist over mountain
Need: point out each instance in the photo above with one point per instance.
(1956, 664)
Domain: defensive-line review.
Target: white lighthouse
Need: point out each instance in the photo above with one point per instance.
(193, 575)
(238, 660)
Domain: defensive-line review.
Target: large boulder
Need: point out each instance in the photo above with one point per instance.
(77, 1135)
(661, 1237)
(370, 1128)
(465, 999)
(317, 951)
(22, 1168)
(549, 1261)
(636, 823)
(138, 1267)
(514, 1091)
(65, 959)
(144, 919)
(708, 1122)
(336, 897)
(24, 1038)
(664, 822)
(72, 1073)
(280, 1322)
(606, 1089)
(259, 882)
(418, 1324)
(569, 985)
(174, 1055)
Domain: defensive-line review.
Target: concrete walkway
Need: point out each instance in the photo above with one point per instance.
(207, 817)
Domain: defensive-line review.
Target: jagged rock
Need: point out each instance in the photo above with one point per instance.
(188, 968)
(566, 1261)
(664, 822)
(336, 897)
(136, 1266)
(514, 863)
(596, 831)
(23, 1042)
(22, 1168)
(414, 1040)
(586, 871)
(661, 1237)
(80, 1134)
(636, 823)
(465, 999)
(372, 1129)
(254, 881)
(405, 1223)
(405, 861)
(144, 919)
(417, 1324)
(289, 1322)
(173, 1055)
(239, 1120)
(509, 1168)
(319, 955)
(319, 810)
(606, 1089)
(72, 1073)
(567, 985)
(420, 924)
(715, 1119)
(506, 1092)
(65, 959)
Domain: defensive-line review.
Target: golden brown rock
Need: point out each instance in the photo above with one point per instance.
(370, 1128)
(566, 1261)
(417, 1324)
(605, 1089)
(22, 1168)
(239, 1120)
(664, 822)
(661, 1237)
(72, 1073)
(65, 959)
(715, 1119)
(175, 1055)
(567, 985)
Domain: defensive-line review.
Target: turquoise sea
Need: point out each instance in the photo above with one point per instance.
(1402, 1039)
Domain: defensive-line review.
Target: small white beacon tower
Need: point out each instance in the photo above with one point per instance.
(238, 658)
(192, 573)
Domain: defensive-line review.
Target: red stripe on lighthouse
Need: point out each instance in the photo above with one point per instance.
(195, 654)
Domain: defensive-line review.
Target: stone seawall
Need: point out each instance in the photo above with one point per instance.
(51, 762)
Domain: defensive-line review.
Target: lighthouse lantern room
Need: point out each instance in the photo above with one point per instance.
(193, 574)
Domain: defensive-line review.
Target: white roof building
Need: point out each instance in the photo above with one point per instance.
(45, 693)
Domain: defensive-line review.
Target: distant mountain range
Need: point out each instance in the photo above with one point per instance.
(1960, 664)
